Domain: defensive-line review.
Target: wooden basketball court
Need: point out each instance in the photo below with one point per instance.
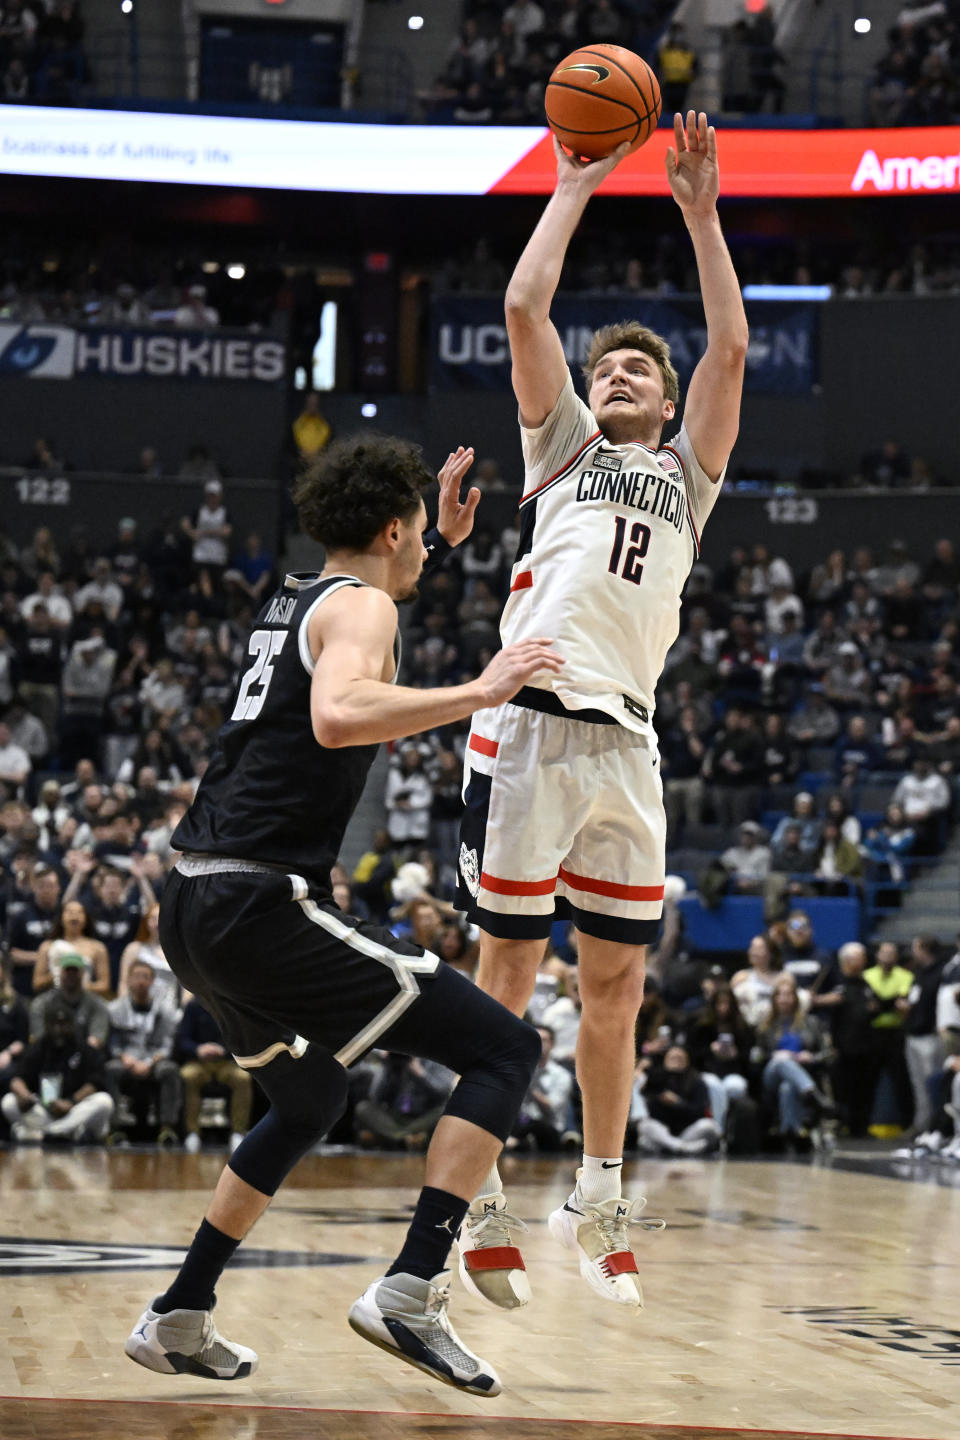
(784, 1299)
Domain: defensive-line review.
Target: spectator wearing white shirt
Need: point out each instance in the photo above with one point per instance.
(562, 1018)
(924, 797)
(749, 860)
(545, 1111)
(48, 593)
(102, 588)
(408, 799)
(194, 313)
(780, 602)
(526, 17)
(15, 763)
(161, 692)
(210, 529)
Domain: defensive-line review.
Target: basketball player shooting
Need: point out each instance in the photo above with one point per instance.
(562, 785)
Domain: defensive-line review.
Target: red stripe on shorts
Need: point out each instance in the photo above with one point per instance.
(483, 745)
(606, 887)
(516, 887)
(523, 581)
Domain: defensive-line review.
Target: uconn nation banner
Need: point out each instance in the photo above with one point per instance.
(469, 347)
(60, 352)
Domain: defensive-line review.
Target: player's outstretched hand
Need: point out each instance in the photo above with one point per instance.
(455, 521)
(512, 668)
(587, 174)
(692, 170)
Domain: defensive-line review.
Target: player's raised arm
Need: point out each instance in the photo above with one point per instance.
(712, 412)
(539, 366)
(352, 701)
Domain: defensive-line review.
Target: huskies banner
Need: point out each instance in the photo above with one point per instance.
(59, 352)
(469, 347)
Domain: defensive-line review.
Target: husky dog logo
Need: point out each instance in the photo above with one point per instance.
(470, 870)
(37, 351)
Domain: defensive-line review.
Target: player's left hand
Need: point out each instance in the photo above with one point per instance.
(692, 170)
(455, 520)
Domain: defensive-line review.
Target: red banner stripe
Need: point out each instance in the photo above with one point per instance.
(497, 886)
(523, 581)
(606, 887)
(483, 745)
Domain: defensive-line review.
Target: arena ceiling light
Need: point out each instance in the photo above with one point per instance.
(862, 25)
(415, 22)
(236, 271)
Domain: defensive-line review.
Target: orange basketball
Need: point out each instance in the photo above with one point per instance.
(600, 96)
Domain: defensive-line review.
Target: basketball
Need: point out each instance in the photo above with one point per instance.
(600, 96)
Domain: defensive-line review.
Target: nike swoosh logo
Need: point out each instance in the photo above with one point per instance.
(610, 1164)
(571, 1209)
(601, 71)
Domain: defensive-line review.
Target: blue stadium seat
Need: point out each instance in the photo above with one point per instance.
(735, 921)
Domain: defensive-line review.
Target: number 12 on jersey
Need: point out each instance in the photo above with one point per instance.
(264, 646)
(636, 550)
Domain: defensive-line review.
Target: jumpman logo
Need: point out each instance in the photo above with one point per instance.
(446, 1225)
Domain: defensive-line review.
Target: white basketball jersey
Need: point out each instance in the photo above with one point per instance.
(608, 535)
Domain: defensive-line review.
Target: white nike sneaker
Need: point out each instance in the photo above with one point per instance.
(407, 1317)
(597, 1233)
(491, 1266)
(928, 1144)
(186, 1342)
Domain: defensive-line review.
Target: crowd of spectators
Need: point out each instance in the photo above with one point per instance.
(602, 261)
(915, 80)
(42, 58)
(499, 64)
(810, 738)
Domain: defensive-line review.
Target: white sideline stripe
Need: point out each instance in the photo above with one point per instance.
(303, 643)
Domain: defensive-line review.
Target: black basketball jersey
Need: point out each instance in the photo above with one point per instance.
(271, 793)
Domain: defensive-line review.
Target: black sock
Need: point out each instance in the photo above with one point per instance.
(205, 1261)
(436, 1220)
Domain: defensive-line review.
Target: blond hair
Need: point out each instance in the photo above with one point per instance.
(631, 335)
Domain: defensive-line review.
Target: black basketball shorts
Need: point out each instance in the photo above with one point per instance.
(278, 964)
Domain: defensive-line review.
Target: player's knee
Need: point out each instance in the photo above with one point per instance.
(518, 1054)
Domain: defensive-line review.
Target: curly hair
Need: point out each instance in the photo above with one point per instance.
(631, 335)
(356, 486)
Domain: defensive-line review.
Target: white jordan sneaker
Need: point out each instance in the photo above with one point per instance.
(407, 1317)
(597, 1234)
(186, 1342)
(491, 1266)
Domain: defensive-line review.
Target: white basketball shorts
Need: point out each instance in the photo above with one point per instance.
(564, 819)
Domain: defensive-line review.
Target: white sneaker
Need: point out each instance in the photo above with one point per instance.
(598, 1235)
(491, 1266)
(930, 1143)
(186, 1342)
(407, 1317)
(192, 1143)
(25, 1134)
(951, 1151)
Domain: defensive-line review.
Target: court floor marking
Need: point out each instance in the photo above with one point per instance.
(486, 1419)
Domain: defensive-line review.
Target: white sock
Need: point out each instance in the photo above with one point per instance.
(491, 1184)
(601, 1178)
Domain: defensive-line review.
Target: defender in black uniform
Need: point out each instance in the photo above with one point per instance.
(300, 990)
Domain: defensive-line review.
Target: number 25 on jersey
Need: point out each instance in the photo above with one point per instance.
(264, 646)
